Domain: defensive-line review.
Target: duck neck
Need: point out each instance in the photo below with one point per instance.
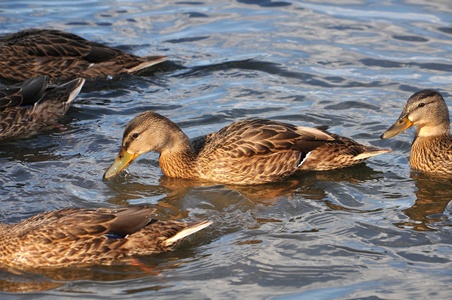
(179, 160)
(432, 131)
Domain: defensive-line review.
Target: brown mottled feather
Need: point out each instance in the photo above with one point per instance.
(252, 151)
(255, 151)
(34, 105)
(57, 54)
(343, 153)
(431, 151)
(432, 155)
(76, 236)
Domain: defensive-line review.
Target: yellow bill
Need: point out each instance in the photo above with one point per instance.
(399, 126)
(122, 161)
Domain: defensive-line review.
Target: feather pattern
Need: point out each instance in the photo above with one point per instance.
(432, 155)
(34, 105)
(77, 236)
(57, 54)
(344, 152)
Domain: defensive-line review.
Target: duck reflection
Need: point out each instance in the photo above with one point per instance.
(171, 194)
(43, 279)
(432, 197)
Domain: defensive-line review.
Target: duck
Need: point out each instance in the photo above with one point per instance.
(247, 152)
(58, 54)
(84, 236)
(34, 105)
(431, 150)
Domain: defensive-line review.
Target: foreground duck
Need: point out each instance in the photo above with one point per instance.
(33, 52)
(252, 151)
(34, 105)
(431, 150)
(77, 236)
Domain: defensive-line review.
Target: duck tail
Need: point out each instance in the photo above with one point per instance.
(74, 87)
(148, 61)
(190, 229)
(371, 151)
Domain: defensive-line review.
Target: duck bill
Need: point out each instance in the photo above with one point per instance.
(399, 126)
(122, 161)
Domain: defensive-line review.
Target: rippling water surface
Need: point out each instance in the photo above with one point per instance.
(376, 230)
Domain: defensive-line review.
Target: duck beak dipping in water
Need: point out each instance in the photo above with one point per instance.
(122, 161)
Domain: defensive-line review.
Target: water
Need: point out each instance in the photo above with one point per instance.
(376, 230)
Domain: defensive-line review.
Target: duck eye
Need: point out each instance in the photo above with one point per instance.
(134, 136)
(421, 105)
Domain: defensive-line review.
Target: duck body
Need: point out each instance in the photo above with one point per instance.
(58, 54)
(252, 151)
(77, 236)
(432, 155)
(431, 150)
(34, 105)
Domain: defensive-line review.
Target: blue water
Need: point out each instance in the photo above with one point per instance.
(376, 231)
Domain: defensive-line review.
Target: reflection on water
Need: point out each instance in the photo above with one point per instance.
(27, 280)
(432, 197)
(376, 230)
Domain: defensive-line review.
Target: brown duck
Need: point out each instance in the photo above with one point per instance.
(33, 52)
(78, 236)
(34, 105)
(431, 151)
(252, 151)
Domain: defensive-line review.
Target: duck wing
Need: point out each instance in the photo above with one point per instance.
(25, 94)
(257, 151)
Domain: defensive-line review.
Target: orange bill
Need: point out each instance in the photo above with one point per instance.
(122, 161)
(399, 126)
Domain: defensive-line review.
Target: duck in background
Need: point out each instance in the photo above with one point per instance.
(252, 151)
(34, 105)
(58, 54)
(431, 151)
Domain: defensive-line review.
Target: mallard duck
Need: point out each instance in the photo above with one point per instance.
(252, 151)
(33, 52)
(79, 236)
(431, 150)
(34, 105)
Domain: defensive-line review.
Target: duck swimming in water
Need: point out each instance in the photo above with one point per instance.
(34, 105)
(58, 54)
(252, 151)
(431, 150)
(80, 236)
